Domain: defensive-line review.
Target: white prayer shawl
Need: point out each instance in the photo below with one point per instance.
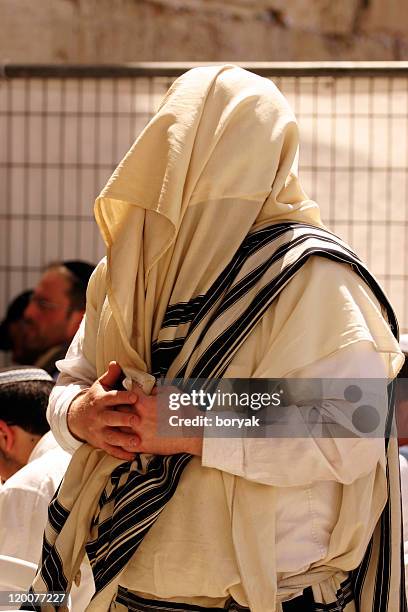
(217, 162)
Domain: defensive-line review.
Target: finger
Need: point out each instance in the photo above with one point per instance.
(142, 396)
(114, 418)
(166, 390)
(147, 405)
(111, 377)
(133, 445)
(128, 408)
(118, 452)
(115, 398)
(114, 437)
(127, 430)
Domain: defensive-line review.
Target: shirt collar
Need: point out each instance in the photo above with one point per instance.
(46, 443)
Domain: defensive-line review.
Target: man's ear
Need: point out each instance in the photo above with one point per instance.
(6, 437)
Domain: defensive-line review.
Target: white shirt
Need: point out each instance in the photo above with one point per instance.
(307, 499)
(24, 500)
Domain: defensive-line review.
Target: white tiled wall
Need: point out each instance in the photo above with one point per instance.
(60, 140)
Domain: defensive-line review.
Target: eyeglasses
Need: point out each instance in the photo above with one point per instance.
(43, 304)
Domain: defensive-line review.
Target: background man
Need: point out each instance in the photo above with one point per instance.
(32, 465)
(13, 330)
(31, 462)
(55, 311)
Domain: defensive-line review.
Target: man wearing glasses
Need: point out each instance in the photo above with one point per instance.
(55, 311)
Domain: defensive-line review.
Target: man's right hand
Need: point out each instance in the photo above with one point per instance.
(93, 416)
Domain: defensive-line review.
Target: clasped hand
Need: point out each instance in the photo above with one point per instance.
(123, 423)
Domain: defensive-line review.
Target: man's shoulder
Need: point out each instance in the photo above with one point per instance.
(97, 284)
(47, 360)
(99, 274)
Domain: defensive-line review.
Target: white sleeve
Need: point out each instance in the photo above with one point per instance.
(76, 374)
(298, 461)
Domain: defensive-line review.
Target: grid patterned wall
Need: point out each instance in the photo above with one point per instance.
(60, 139)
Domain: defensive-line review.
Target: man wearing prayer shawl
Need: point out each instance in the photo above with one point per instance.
(218, 266)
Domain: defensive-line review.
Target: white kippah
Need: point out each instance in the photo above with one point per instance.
(23, 374)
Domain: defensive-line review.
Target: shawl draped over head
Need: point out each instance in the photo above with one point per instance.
(217, 162)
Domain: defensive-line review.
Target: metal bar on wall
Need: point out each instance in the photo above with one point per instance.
(175, 69)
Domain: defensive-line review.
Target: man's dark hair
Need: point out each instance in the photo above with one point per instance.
(78, 272)
(25, 404)
(15, 312)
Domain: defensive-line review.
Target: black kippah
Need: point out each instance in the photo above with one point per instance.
(80, 269)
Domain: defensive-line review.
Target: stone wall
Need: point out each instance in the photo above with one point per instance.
(111, 31)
